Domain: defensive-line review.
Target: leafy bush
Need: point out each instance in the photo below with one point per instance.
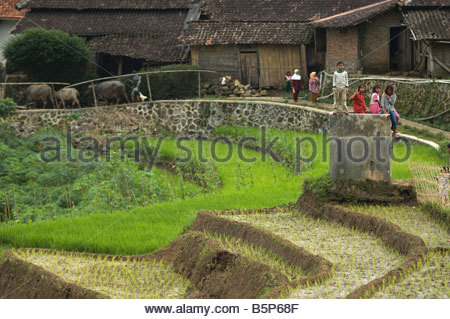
(49, 55)
(7, 106)
(34, 190)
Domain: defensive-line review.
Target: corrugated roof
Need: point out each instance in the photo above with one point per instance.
(237, 32)
(428, 24)
(105, 4)
(8, 9)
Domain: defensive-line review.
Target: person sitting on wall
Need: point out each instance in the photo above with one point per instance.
(135, 93)
(375, 100)
(359, 102)
(296, 84)
(388, 107)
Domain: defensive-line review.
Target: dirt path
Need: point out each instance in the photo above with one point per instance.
(425, 127)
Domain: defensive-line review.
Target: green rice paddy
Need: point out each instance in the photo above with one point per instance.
(259, 184)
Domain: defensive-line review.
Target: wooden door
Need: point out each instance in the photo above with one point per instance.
(249, 69)
(275, 61)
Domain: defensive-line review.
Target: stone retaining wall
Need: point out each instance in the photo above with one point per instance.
(187, 117)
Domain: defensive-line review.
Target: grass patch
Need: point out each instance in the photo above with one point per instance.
(2, 252)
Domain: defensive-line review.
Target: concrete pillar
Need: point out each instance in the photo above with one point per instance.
(360, 147)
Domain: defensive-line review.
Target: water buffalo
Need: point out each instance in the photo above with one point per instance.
(109, 91)
(38, 93)
(68, 94)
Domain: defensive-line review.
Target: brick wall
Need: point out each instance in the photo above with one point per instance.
(375, 36)
(342, 45)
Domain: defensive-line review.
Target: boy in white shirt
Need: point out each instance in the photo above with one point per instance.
(340, 89)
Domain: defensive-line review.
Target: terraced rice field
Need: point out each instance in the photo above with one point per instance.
(116, 278)
(258, 254)
(358, 257)
(429, 279)
(411, 219)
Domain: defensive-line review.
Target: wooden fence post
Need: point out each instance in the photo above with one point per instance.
(93, 93)
(54, 97)
(149, 88)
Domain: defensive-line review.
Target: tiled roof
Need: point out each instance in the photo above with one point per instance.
(105, 4)
(8, 9)
(355, 16)
(237, 32)
(107, 22)
(279, 10)
(428, 24)
(426, 3)
(153, 48)
(147, 34)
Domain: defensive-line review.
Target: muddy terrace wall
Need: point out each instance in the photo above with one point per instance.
(181, 117)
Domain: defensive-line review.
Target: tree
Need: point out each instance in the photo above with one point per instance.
(49, 55)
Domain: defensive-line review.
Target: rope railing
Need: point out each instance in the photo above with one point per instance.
(147, 77)
(323, 75)
(432, 183)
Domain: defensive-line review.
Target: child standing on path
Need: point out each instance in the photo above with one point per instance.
(296, 84)
(359, 103)
(314, 87)
(287, 77)
(388, 106)
(375, 100)
(340, 89)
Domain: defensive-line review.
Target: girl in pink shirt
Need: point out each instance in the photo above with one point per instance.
(375, 101)
(287, 78)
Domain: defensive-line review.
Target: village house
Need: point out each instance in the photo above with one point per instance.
(429, 24)
(9, 16)
(411, 36)
(258, 41)
(125, 35)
